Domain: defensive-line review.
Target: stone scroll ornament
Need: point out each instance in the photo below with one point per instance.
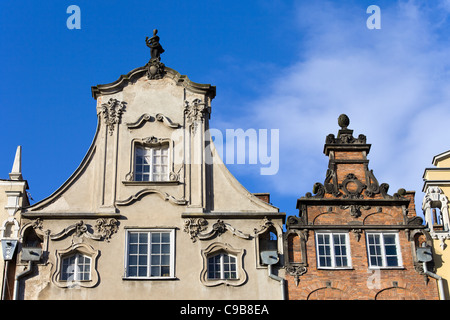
(195, 112)
(112, 113)
(155, 68)
(351, 187)
(105, 229)
(196, 228)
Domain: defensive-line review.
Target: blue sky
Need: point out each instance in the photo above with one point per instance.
(287, 65)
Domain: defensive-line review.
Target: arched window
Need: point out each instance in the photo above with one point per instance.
(151, 163)
(76, 267)
(268, 242)
(31, 239)
(222, 266)
(9, 230)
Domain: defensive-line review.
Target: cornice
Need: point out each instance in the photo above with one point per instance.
(180, 80)
(70, 215)
(356, 226)
(236, 215)
(434, 183)
(339, 202)
(442, 156)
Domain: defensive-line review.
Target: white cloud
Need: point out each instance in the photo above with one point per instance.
(393, 83)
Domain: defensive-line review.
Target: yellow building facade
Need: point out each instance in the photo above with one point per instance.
(435, 208)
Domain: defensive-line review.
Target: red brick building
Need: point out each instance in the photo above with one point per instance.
(351, 239)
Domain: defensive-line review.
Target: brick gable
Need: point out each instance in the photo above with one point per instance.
(353, 203)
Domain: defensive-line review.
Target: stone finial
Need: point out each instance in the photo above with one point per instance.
(16, 172)
(343, 121)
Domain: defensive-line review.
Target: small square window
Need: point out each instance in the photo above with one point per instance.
(333, 250)
(383, 250)
(151, 163)
(76, 268)
(222, 266)
(150, 254)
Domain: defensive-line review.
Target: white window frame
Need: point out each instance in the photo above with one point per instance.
(222, 264)
(383, 254)
(333, 254)
(214, 249)
(151, 152)
(148, 264)
(76, 267)
(74, 249)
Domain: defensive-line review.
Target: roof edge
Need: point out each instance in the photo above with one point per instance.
(440, 157)
(181, 80)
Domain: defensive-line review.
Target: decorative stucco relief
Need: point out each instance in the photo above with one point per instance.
(149, 118)
(435, 208)
(105, 229)
(194, 112)
(296, 271)
(265, 225)
(112, 113)
(164, 195)
(166, 121)
(196, 228)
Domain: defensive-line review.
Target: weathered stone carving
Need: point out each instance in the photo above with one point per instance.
(155, 68)
(352, 187)
(330, 183)
(112, 113)
(154, 140)
(414, 221)
(435, 208)
(105, 228)
(164, 195)
(195, 112)
(166, 121)
(355, 209)
(80, 229)
(196, 227)
(147, 117)
(134, 125)
(357, 233)
(293, 221)
(155, 47)
(296, 272)
(37, 224)
(266, 224)
(345, 138)
(372, 186)
(318, 190)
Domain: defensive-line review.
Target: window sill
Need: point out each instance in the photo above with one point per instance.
(150, 183)
(148, 278)
(226, 282)
(387, 268)
(335, 269)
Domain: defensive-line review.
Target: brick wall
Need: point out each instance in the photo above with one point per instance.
(361, 206)
(360, 282)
